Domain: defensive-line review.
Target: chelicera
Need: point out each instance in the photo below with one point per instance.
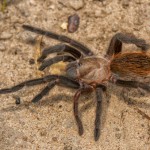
(87, 72)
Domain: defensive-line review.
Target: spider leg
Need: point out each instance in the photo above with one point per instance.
(44, 91)
(118, 39)
(59, 48)
(65, 81)
(133, 84)
(56, 59)
(21, 85)
(99, 91)
(75, 108)
(62, 38)
(83, 88)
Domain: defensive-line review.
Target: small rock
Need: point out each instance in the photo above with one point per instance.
(17, 99)
(64, 25)
(115, 28)
(73, 23)
(5, 36)
(76, 4)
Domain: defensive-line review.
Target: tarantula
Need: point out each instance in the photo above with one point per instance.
(87, 72)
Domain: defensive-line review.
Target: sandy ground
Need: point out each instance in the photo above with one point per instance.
(50, 124)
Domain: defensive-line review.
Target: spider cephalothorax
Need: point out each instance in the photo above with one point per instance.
(86, 72)
(90, 70)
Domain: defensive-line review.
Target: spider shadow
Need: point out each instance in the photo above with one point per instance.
(49, 102)
(129, 96)
(87, 102)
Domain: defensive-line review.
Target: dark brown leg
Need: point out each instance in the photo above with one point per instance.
(64, 81)
(62, 38)
(118, 39)
(75, 108)
(44, 91)
(99, 91)
(21, 85)
(58, 49)
(83, 88)
(49, 62)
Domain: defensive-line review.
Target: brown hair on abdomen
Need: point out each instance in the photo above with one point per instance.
(131, 63)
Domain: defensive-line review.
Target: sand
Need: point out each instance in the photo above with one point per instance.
(50, 124)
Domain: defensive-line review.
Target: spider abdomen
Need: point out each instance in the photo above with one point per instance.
(131, 64)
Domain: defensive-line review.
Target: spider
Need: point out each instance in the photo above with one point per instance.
(87, 72)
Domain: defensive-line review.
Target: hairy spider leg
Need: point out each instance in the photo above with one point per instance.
(132, 84)
(99, 91)
(58, 49)
(44, 91)
(62, 38)
(75, 108)
(65, 81)
(118, 39)
(49, 62)
(21, 85)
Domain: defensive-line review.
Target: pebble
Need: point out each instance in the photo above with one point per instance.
(5, 36)
(115, 28)
(76, 4)
(17, 99)
(64, 25)
(73, 23)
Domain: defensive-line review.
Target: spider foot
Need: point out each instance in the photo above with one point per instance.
(80, 126)
(96, 134)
